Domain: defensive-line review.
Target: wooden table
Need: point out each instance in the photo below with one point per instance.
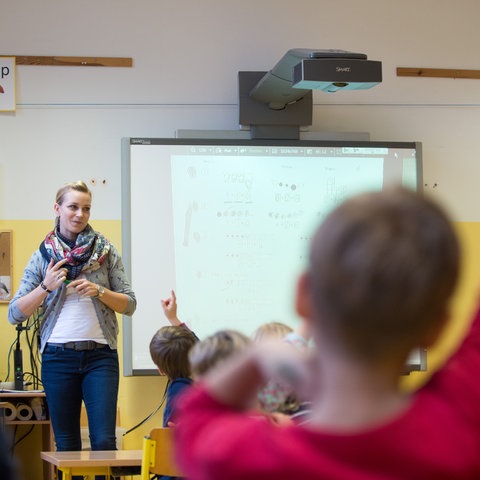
(87, 462)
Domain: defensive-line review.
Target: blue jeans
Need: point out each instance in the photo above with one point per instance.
(70, 376)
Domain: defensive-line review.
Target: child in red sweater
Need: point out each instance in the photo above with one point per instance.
(382, 270)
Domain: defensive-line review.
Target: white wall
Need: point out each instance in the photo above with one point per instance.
(186, 56)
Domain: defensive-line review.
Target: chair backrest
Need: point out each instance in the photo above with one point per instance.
(158, 455)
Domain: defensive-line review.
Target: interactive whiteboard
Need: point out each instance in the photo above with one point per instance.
(227, 224)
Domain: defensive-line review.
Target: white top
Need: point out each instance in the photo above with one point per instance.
(77, 320)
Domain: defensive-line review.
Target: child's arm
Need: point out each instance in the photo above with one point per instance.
(169, 306)
(236, 382)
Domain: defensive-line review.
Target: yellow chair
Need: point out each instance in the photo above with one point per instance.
(157, 455)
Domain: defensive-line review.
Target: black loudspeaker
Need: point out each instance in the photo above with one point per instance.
(18, 368)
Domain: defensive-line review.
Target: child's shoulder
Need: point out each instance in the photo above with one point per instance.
(179, 383)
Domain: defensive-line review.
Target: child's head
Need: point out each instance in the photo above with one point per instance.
(383, 267)
(271, 331)
(215, 348)
(169, 349)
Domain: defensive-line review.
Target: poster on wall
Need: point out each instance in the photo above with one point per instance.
(5, 265)
(7, 84)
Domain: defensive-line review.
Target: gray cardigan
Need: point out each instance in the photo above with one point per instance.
(110, 275)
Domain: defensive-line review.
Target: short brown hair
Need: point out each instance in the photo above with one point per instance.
(383, 267)
(169, 349)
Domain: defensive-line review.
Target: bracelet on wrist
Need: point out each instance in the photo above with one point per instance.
(45, 287)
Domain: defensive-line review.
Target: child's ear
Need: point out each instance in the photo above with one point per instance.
(303, 297)
(160, 372)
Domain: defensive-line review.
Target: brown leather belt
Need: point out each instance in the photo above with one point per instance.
(80, 346)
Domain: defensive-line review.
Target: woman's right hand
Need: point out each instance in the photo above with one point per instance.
(55, 274)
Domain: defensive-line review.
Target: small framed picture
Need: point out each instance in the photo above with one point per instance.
(6, 265)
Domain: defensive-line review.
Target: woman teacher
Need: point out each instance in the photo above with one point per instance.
(77, 280)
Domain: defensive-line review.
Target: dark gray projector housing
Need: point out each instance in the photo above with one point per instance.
(333, 74)
(276, 103)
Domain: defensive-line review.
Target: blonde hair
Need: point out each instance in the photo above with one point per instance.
(214, 349)
(271, 331)
(78, 186)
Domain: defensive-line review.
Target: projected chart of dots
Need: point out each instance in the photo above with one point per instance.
(242, 229)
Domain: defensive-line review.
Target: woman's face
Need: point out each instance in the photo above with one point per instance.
(73, 213)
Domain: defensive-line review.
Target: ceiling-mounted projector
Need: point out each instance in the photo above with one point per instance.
(282, 97)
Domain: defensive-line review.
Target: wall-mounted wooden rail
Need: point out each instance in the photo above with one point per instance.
(73, 61)
(437, 72)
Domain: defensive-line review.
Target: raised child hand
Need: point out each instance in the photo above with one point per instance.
(169, 306)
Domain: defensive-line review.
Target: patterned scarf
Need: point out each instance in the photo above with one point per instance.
(88, 253)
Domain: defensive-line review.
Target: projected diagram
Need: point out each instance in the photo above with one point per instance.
(241, 228)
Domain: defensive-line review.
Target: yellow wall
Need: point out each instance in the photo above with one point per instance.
(140, 395)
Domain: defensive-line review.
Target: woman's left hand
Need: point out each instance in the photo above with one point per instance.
(84, 288)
